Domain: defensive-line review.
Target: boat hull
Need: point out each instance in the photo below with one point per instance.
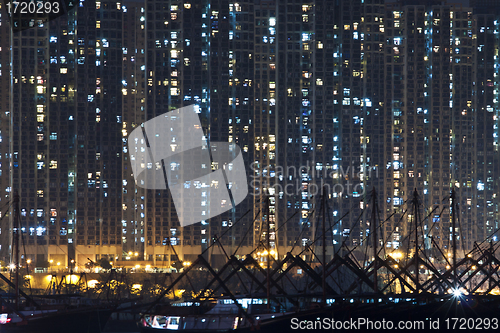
(414, 312)
(83, 321)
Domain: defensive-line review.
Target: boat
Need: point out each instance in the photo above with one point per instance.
(397, 289)
(90, 319)
(22, 313)
(220, 315)
(229, 312)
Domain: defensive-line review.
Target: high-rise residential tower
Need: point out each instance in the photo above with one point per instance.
(347, 96)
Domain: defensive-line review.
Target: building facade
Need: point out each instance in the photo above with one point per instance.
(345, 96)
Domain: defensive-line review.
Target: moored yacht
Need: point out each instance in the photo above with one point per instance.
(219, 315)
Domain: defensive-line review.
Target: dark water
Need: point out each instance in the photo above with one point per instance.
(121, 326)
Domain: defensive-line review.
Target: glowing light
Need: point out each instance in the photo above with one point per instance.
(92, 283)
(457, 293)
(396, 255)
(179, 292)
(71, 279)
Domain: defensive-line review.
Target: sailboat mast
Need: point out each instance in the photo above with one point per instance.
(268, 287)
(415, 219)
(454, 238)
(323, 279)
(374, 228)
(16, 247)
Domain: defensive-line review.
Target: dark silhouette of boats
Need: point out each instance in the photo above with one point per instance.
(408, 289)
(22, 313)
(79, 320)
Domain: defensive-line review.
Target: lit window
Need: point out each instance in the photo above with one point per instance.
(63, 70)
